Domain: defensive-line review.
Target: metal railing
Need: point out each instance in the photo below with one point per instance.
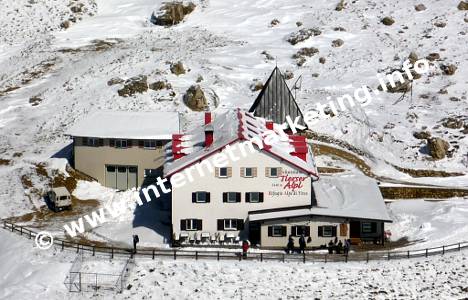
(230, 255)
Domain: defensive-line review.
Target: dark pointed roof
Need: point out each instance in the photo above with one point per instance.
(276, 101)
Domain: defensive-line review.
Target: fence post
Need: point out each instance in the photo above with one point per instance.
(112, 253)
(367, 257)
(94, 250)
(303, 257)
(283, 257)
(217, 256)
(62, 245)
(459, 247)
(443, 250)
(388, 255)
(346, 257)
(30, 234)
(426, 252)
(153, 253)
(21, 230)
(12, 227)
(77, 248)
(261, 257)
(79, 281)
(408, 253)
(326, 256)
(175, 254)
(196, 255)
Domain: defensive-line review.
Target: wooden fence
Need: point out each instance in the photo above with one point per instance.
(230, 255)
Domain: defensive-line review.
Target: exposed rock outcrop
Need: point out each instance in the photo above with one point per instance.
(195, 99)
(437, 147)
(177, 68)
(387, 21)
(137, 84)
(303, 35)
(172, 13)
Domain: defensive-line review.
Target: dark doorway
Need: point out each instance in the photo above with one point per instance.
(354, 229)
(254, 233)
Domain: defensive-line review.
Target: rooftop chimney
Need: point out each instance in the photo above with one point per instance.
(208, 134)
(269, 125)
(208, 117)
(177, 146)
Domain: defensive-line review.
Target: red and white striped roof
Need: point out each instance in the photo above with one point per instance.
(229, 128)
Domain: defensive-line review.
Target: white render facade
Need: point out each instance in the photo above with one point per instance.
(275, 195)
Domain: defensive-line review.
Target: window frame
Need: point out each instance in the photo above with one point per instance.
(325, 228)
(251, 172)
(92, 142)
(119, 143)
(370, 228)
(276, 171)
(295, 230)
(251, 199)
(220, 170)
(233, 224)
(280, 228)
(198, 193)
(228, 200)
(150, 142)
(193, 224)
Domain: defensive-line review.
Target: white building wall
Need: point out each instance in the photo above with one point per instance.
(276, 195)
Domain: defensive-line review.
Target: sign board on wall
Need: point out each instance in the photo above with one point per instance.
(290, 183)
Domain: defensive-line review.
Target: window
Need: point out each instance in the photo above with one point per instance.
(231, 197)
(230, 224)
(369, 227)
(300, 230)
(92, 142)
(272, 172)
(254, 197)
(121, 143)
(200, 197)
(223, 172)
(191, 224)
(327, 231)
(248, 172)
(148, 144)
(277, 231)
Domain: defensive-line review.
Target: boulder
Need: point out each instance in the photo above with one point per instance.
(158, 85)
(422, 135)
(303, 35)
(115, 80)
(195, 99)
(437, 147)
(463, 5)
(172, 13)
(387, 21)
(420, 7)
(433, 56)
(65, 24)
(452, 123)
(137, 84)
(322, 60)
(337, 43)
(448, 69)
(340, 6)
(288, 75)
(274, 22)
(177, 68)
(256, 86)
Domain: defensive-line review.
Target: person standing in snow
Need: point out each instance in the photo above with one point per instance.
(339, 247)
(302, 243)
(136, 240)
(331, 245)
(347, 245)
(245, 248)
(290, 246)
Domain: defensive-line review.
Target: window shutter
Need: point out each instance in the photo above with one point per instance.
(320, 231)
(254, 172)
(141, 143)
(283, 231)
(280, 171)
(220, 224)
(207, 197)
(307, 230)
(240, 224)
(238, 197)
(260, 197)
(101, 142)
(267, 172)
(270, 231)
(247, 197)
(343, 229)
(217, 172)
(194, 197)
(242, 172)
(199, 224)
(112, 143)
(224, 197)
(229, 172)
(129, 143)
(334, 231)
(183, 224)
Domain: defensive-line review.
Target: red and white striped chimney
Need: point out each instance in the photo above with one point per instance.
(209, 130)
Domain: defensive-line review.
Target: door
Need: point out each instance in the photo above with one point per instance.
(121, 178)
(254, 233)
(354, 229)
(132, 177)
(111, 178)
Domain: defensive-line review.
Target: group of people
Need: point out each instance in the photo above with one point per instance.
(302, 244)
(338, 247)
